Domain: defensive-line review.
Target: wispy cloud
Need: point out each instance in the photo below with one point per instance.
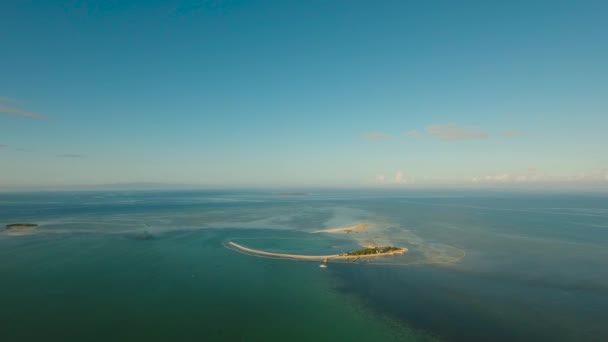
(2, 145)
(402, 178)
(500, 178)
(399, 178)
(376, 136)
(451, 132)
(512, 133)
(532, 175)
(413, 134)
(7, 106)
(72, 155)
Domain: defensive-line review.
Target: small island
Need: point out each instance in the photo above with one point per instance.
(21, 225)
(369, 252)
(16, 229)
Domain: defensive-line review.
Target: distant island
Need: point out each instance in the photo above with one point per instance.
(16, 229)
(369, 252)
(21, 225)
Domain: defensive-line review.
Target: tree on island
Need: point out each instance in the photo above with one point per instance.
(374, 250)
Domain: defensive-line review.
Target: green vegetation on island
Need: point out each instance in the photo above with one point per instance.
(375, 250)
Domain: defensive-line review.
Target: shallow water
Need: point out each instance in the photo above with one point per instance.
(481, 266)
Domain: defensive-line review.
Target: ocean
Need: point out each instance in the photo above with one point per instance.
(155, 266)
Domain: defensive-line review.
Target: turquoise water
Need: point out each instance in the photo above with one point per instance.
(481, 266)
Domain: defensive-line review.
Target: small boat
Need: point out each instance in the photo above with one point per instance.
(323, 266)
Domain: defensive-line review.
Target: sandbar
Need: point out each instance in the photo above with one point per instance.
(355, 228)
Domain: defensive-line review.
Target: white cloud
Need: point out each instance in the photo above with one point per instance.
(7, 108)
(503, 177)
(399, 178)
(499, 178)
(451, 132)
(521, 178)
(402, 178)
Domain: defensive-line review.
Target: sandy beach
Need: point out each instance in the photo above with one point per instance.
(355, 228)
(313, 257)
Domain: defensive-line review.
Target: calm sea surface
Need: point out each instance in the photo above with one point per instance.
(154, 266)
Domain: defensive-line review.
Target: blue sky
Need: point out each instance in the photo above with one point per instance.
(322, 93)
